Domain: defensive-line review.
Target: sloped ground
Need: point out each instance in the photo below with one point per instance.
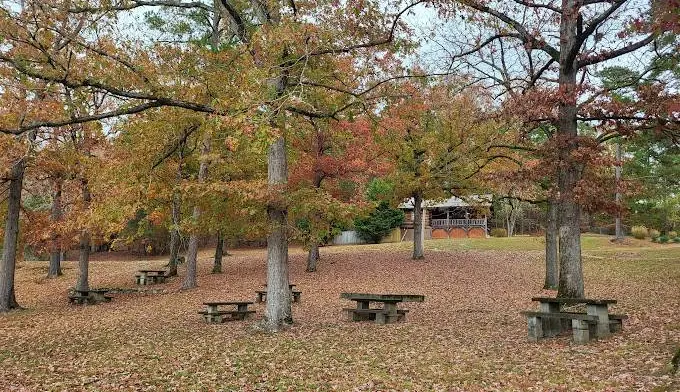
(468, 335)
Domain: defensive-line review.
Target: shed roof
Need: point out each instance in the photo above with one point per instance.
(472, 200)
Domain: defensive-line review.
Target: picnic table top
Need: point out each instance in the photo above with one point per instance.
(228, 303)
(589, 301)
(151, 270)
(91, 291)
(383, 297)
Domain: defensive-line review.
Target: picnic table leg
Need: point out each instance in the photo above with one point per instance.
(242, 308)
(581, 330)
(96, 297)
(390, 313)
(359, 316)
(603, 319)
(550, 326)
(535, 328)
(212, 315)
(260, 297)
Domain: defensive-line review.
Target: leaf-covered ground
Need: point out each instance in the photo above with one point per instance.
(468, 335)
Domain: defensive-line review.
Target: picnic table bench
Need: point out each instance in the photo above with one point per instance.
(262, 294)
(388, 313)
(551, 320)
(149, 276)
(212, 313)
(89, 296)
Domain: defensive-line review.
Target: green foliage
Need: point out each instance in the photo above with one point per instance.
(676, 240)
(655, 166)
(378, 223)
(672, 234)
(663, 239)
(639, 232)
(380, 190)
(499, 232)
(37, 202)
(143, 235)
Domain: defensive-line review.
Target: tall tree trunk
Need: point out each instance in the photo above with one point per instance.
(219, 252)
(312, 257)
(278, 312)
(619, 229)
(192, 251)
(54, 268)
(174, 234)
(313, 254)
(176, 211)
(84, 245)
(551, 237)
(9, 248)
(570, 171)
(418, 248)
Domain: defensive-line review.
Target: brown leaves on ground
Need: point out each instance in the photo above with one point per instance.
(468, 335)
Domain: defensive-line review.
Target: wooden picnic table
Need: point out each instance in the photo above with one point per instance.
(262, 294)
(388, 313)
(213, 314)
(89, 296)
(150, 276)
(596, 322)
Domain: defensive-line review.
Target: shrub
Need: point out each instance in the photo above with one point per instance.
(639, 232)
(499, 232)
(655, 239)
(654, 233)
(676, 240)
(672, 234)
(663, 239)
(378, 223)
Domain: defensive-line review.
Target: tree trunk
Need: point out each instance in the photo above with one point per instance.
(9, 248)
(551, 236)
(54, 268)
(176, 211)
(192, 251)
(312, 257)
(278, 312)
(84, 245)
(418, 248)
(219, 252)
(619, 229)
(570, 170)
(174, 235)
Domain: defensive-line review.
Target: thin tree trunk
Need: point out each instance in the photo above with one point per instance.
(9, 248)
(551, 246)
(54, 268)
(192, 251)
(278, 312)
(418, 248)
(312, 257)
(84, 245)
(570, 171)
(619, 229)
(176, 211)
(174, 235)
(219, 252)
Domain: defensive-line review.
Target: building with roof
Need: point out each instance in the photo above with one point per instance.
(450, 218)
